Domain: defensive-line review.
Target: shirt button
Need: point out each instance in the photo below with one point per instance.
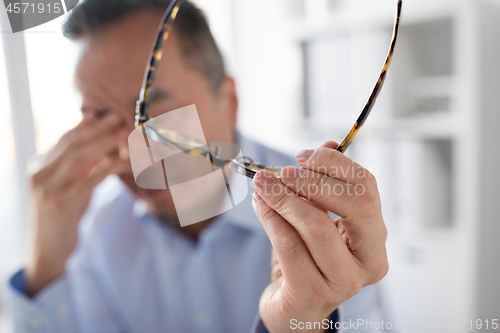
(35, 323)
(203, 318)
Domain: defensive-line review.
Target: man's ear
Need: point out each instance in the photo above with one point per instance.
(230, 97)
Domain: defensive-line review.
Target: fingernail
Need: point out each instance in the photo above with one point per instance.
(263, 179)
(292, 174)
(304, 155)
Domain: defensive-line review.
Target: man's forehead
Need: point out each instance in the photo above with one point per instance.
(125, 44)
(129, 39)
(106, 70)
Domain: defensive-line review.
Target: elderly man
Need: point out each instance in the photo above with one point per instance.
(109, 256)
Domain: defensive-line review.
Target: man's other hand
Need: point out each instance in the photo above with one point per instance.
(62, 183)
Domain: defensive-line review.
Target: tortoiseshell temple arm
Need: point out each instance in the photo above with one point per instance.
(143, 104)
(376, 91)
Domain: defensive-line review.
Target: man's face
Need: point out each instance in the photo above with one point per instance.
(109, 76)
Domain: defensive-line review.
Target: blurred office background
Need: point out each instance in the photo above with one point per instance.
(304, 70)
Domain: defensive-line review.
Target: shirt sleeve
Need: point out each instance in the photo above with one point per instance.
(50, 311)
(259, 327)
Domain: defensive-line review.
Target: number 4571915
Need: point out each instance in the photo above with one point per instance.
(25, 7)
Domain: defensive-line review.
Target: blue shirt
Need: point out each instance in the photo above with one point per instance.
(134, 273)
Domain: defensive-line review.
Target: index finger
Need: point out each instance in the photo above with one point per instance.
(84, 134)
(315, 227)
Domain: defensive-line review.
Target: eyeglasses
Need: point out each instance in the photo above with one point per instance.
(182, 143)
